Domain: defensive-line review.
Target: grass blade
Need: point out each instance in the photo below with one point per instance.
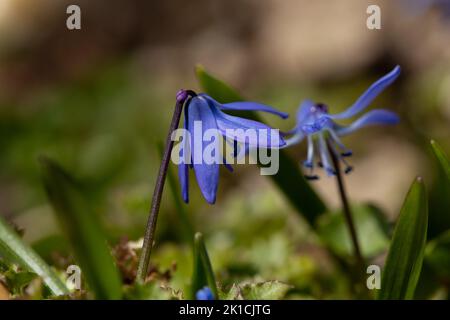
(203, 275)
(83, 231)
(14, 249)
(289, 178)
(404, 261)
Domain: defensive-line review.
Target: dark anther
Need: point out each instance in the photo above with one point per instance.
(313, 177)
(348, 169)
(322, 107)
(346, 154)
(320, 164)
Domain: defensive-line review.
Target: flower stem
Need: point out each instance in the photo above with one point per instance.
(346, 206)
(157, 193)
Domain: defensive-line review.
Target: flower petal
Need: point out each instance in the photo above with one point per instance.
(295, 139)
(207, 174)
(253, 106)
(183, 175)
(367, 97)
(225, 121)
(183, 167)
(245, 106)
(304, 111)
(377, 116)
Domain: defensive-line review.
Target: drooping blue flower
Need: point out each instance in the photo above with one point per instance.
(204, 294)
(318, 126)
(204, 109)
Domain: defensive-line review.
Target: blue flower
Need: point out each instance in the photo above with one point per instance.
(204, 294)
(318, 126)
(209, 113)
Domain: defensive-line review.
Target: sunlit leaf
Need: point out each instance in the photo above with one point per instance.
(203, 275)
(234, 293)
(405, 257)
(267, 290)
(15, 250)
(289, 178)
(151, 290)
(83, 230)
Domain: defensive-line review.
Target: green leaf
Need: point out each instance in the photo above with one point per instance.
(289, 178)
(151, 290)
(441, 157)
(405, 257)
(234, 293)
(203, 275)
(17, 281)
(371, 228)
(13, 249)
(267, 290)
(215, 87)
(83, 230)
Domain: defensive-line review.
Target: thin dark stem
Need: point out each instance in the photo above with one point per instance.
(346, 206)
(157, 194)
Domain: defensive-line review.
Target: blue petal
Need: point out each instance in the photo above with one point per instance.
(225, 121)
(183, 168)
(246, 106)
(367, 97)
(207, 174)
(253, 106)
(304, 111)
(204, 294)
(295, 139)
(227, 165)
(303, 117)
(377, 116)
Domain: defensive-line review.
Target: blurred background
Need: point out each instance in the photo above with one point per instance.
(99, 99)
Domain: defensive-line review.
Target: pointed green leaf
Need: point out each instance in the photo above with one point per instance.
(83, 231)
(216, 88)
(442, 158)
(405, 257)
(289, 178)
(16, 251)
(203, 275)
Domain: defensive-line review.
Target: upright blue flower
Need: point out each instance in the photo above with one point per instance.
(210, 113)
(204, 294)
(317, 125)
